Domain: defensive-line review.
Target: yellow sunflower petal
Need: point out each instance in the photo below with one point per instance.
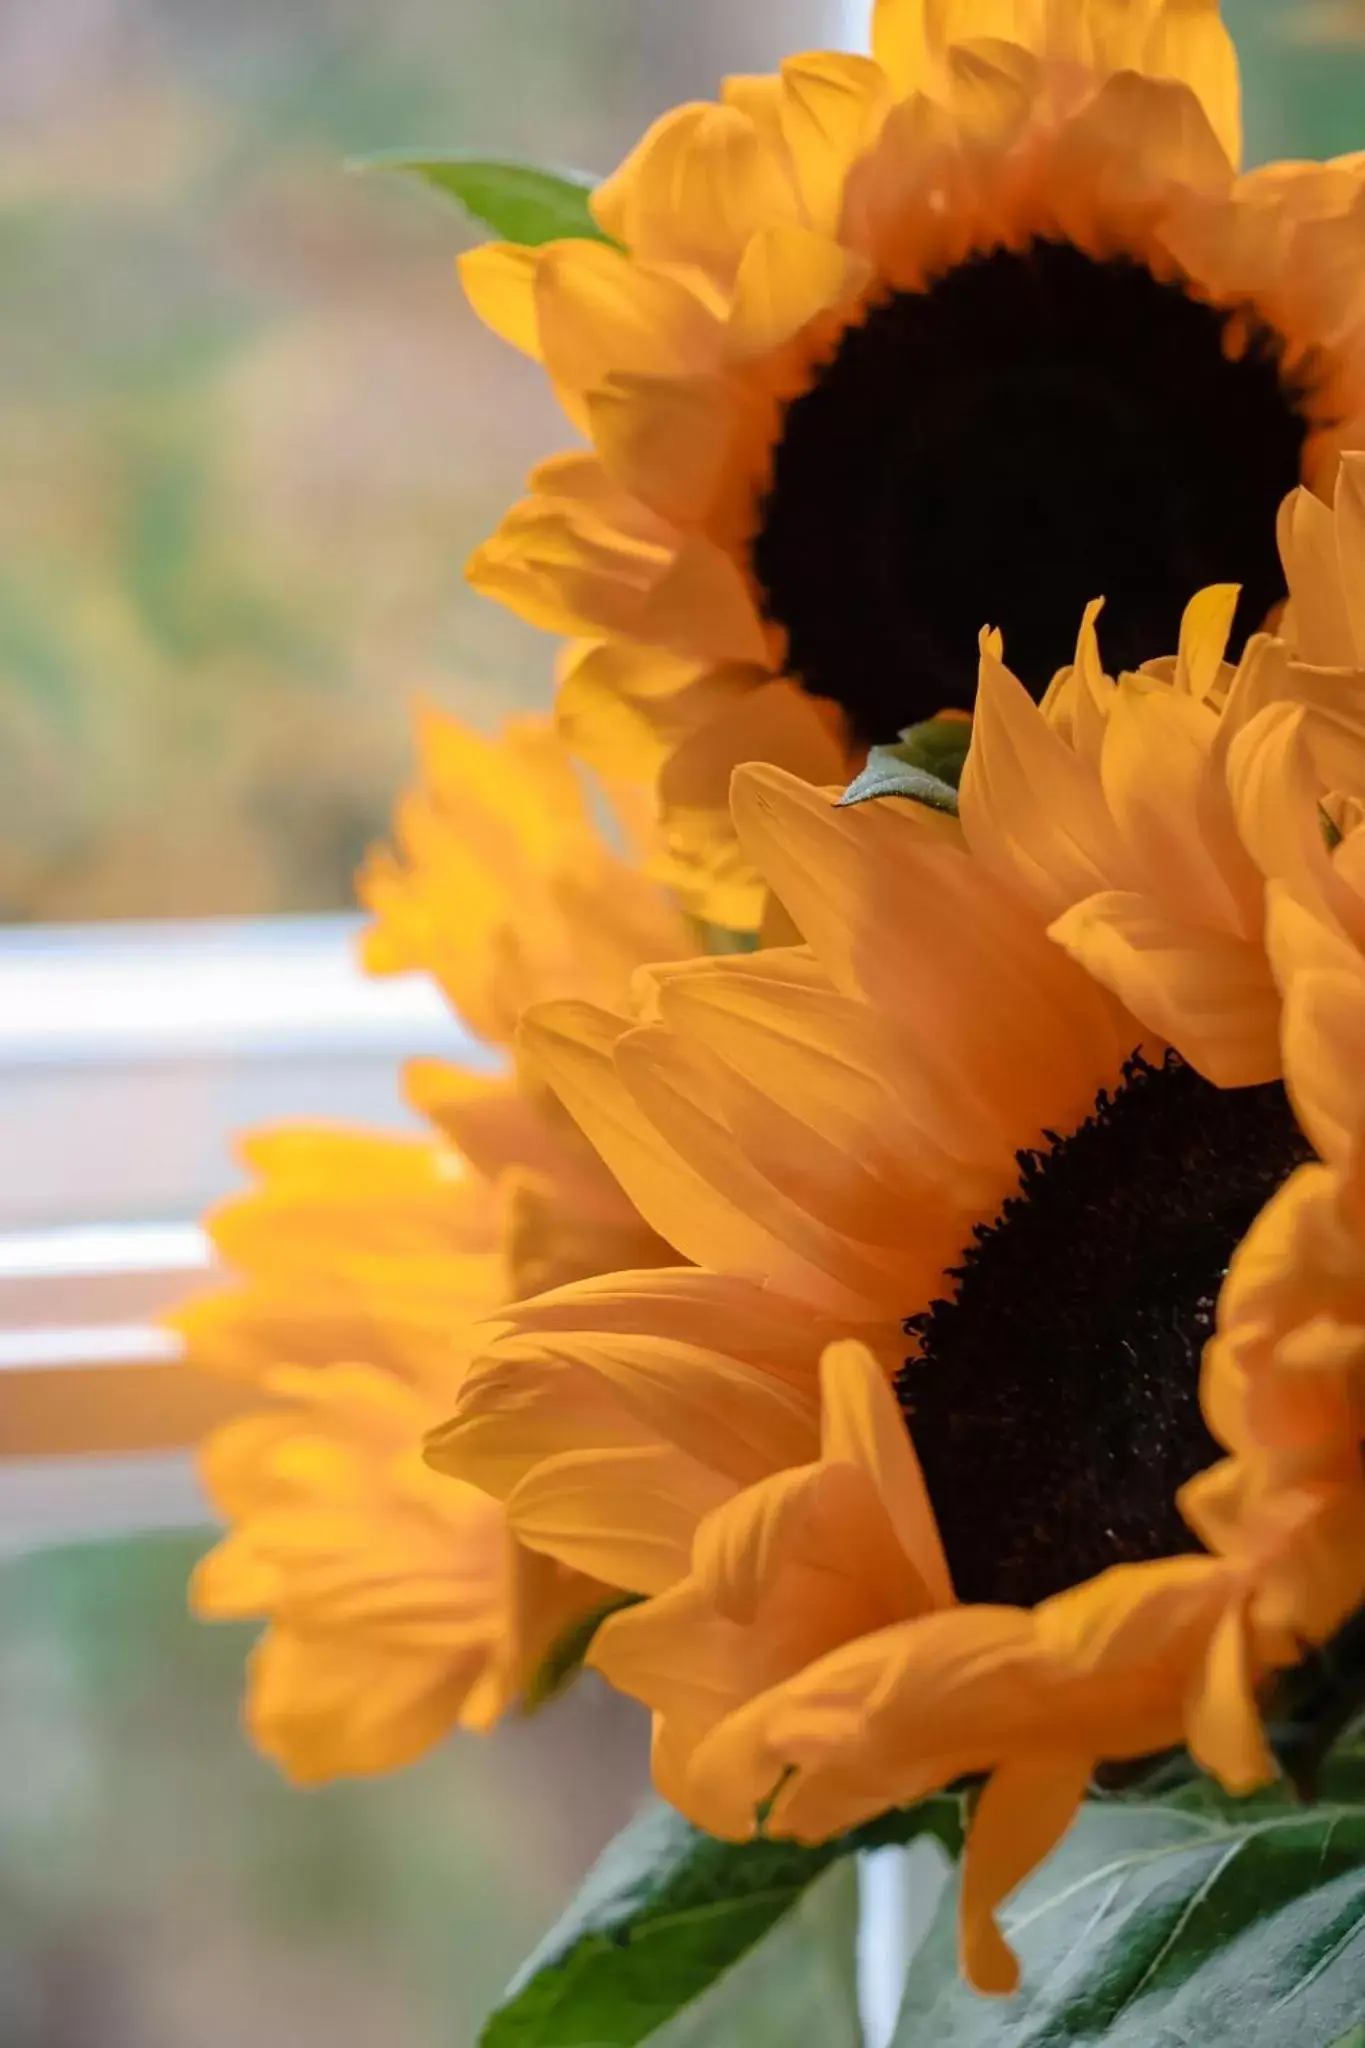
(568, 572)
(1183, 845)
(512, 1413)
(1204, 632)
(573, 1046)
(1319, 617)
(234, 1581)
(787, 276)
(499, 281)
(991, 87)
(321, 1710)
(700, 183)
(665, 439)
(1225, 1731)
(625, 1515)
(1212, 998)
(1276, 796)
(773, 722)
(1026, 1808)
(624, 708)
(1030, 805)
(601, 315)
(830, 105)
(723, 1410)
(809, 1250)
(1324, 1045)
(864, 1427)
(1189, 41)
(1349, 510)
(701, 604)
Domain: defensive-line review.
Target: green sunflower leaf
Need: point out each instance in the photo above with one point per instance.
(798, 1983)
(516, 202)
(664, 1916)
(1205, 1921)
(939, 746)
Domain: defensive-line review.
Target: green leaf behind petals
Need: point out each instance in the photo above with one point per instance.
(924, 765)
(1204, 1923)
(661, 1918)
(798, 1984)
(516, 202)
(939, 745)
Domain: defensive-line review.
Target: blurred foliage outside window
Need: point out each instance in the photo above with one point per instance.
(248, 429)
(162, 1887)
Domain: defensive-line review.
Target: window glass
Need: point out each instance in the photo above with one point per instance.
(249, 430)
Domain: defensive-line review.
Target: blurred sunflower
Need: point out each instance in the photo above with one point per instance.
(399, 1605)
(877, 348)
(917, 1463)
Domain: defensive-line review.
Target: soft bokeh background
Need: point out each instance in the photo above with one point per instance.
(248, 433)
(161, 1888)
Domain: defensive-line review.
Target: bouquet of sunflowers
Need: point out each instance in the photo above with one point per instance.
(898, 1310)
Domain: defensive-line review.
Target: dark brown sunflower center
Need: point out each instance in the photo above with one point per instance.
(1054, 1403)
(1034, 430)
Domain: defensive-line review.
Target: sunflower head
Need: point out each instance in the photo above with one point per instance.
(503, 885)
(979, 328)
(1008, 1423)
(398, 1606)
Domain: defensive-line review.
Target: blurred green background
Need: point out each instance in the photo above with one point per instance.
(249, 430)
(161, 1887)
(248, 433)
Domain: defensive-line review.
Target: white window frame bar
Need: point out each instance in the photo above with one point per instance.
(131, 1058)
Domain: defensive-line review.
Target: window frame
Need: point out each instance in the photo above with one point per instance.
(132, 1057)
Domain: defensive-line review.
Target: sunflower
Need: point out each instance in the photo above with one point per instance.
(877, 348)
(916, 1467)
(503, 885)
(400, 1605)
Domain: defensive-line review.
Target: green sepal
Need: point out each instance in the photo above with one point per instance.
(565, 1657)
(924, 765)
(663, 1914)
(1312, 1709)
(522, 203)
(888, 773)
(939, 746)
